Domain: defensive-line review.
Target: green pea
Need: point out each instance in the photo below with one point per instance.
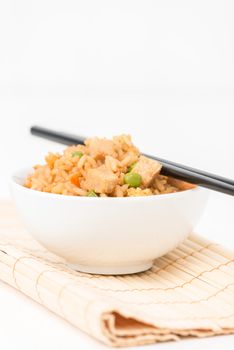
(132, 179)
(131, 167)
(77, 154)
(92, 193)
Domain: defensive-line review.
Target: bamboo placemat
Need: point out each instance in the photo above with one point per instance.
(188, 292)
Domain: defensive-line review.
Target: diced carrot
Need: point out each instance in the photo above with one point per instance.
(75, 180)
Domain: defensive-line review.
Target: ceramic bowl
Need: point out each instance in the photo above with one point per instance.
(108, 235)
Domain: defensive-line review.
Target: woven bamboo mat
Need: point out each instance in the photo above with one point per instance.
(188, 292)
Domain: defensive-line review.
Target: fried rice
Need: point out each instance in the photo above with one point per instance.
(102, 168)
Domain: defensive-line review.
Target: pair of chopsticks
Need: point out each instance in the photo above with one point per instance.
(178, 171)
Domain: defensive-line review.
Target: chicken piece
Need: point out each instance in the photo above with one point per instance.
(101, 180)
(148, 169)
(99, 148)
(112, 163)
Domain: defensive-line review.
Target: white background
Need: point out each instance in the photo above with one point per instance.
(160, 70)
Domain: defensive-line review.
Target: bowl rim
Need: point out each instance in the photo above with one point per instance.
(16, 174)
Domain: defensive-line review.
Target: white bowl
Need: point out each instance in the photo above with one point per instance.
(108, 235)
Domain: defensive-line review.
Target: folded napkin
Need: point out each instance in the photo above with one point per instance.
(188, 292)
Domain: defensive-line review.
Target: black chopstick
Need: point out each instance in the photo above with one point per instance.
(60, 137)
(193, 170)
(181, 172)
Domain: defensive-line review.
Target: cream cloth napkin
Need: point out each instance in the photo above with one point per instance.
(188, 292)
